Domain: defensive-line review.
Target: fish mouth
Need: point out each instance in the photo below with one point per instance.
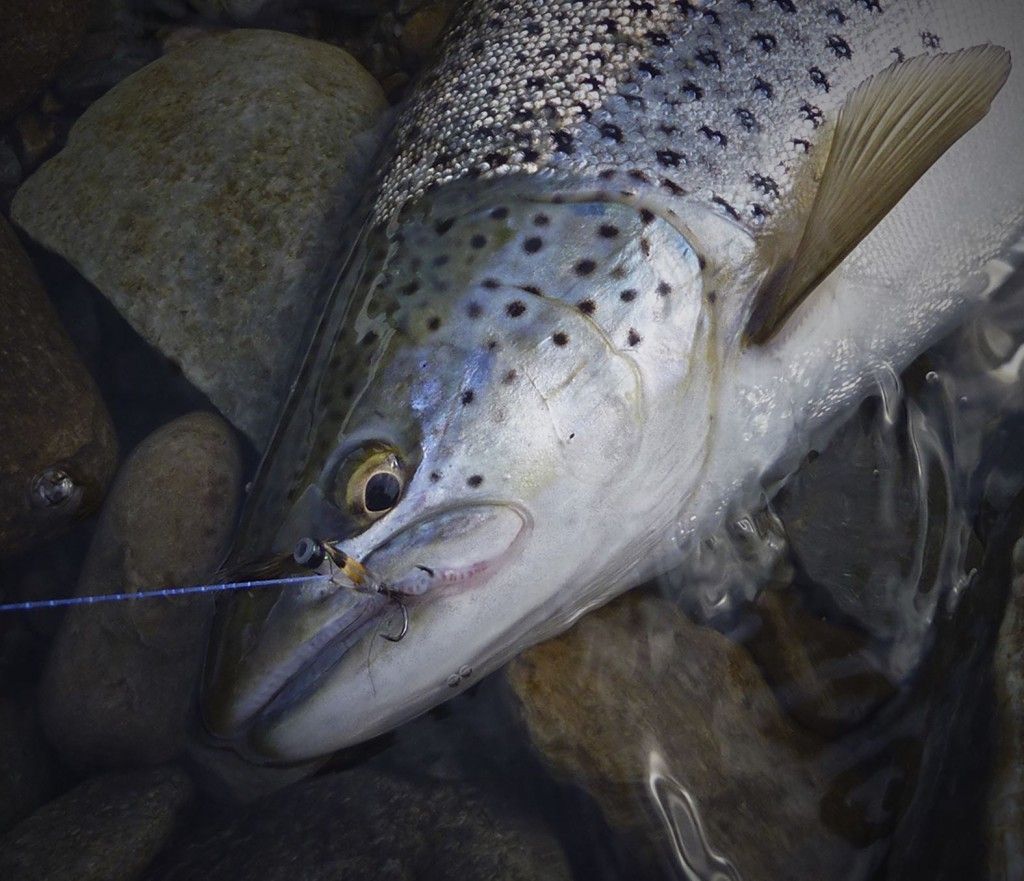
(308, 631)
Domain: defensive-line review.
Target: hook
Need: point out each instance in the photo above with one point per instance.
(405, 624)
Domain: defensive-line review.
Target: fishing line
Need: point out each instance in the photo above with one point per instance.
(153, 594)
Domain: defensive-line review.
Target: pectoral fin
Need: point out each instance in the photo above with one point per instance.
(889, 132)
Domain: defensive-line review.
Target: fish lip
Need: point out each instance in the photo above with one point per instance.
(302, 681)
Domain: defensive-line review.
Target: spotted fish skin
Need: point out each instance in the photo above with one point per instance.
(542, 321)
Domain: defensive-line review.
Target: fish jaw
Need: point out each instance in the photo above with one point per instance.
(309, 630)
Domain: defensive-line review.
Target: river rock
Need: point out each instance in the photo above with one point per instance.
(36, 38)
(363, 823)
(1006, 802)
(57, 444)
(204, 196)
(27, 772)
(637, 698)
(120, 676)
(106, 829)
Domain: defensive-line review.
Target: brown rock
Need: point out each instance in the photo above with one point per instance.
(37, 137)
(119, 680)
(423, 29)
(107, 829)
(204, 197)
(638, 699)
(36, 38)
(57, 445)
(821, 671)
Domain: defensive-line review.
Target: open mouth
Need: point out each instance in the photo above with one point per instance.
(307, 632)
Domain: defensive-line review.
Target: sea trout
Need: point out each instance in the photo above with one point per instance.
(623, 263)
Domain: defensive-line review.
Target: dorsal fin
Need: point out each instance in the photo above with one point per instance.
(889, 132)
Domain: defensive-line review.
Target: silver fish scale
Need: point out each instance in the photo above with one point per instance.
(722, 100)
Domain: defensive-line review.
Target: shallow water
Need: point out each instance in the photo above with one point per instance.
(814, 694)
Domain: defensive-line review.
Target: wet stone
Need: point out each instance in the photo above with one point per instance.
(57, 444)
(637, 698)
(181, 196)
(120, 677)
(821, 671)
(109, 827)
(27, 769)
(422, 30)
(35, 40)
(364, 823)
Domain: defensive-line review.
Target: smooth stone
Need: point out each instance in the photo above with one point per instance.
(1006, 801)
(53, 423)
(36, 39)
(106, 829)
(365, 823)
(27, 772)
(820, 670)
(636, 697)
(206, 194)
(422, 31)
(119, 681)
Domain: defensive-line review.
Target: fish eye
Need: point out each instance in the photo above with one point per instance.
(370, 483)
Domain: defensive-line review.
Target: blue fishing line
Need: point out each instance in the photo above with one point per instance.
(151, 594)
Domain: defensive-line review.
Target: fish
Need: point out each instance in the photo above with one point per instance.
(620, 265)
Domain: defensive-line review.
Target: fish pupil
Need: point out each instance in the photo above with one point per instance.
(382, 491)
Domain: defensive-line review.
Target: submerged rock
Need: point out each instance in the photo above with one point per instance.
(1006, 804)
(36, 38)
(27, 773)
(57, 444)
(364, 823)
(108, 828)
(658, 717)
(204, 196)
(119, 680)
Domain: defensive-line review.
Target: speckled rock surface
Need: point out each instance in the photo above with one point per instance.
(119, 679)
(107, 829)
(36, 38)
(51, 415)
(204, 194)
(367, 824)
(636, 696)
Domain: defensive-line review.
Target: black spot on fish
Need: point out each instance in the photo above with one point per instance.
(669, 158)
(434, 323)
(930, 40)
(442, 226)
(564, 142)
(646, 216)
(898, 52)
(718, 200)
(509, 377)
(499, 213)
(645, 246)
(560, 338)
(533, 244)
(496, 160)
(633, 338)
(652, 70)
(584, 267)
(515, 308)
(837, 15)
(812, 114)
(819, 79)
(369, 339)
(491, 284)
(802, 144)
(612, 132)
(745, 117)
(870, 5)
(664, 289)
(692, 91)
(530, 155)
(840, 48)
(607, 231)
(467, 397)
(473, 310)
(672, 187)
(532, 289)
(628, 295)
(765, 184)
(434, 476)
(714, 135)
(534, 28)
(636, 174)
(709, 58)
(658, 38)
(767, 42)
(475, 480)
(478, 241)
(440, 260)
(410, 289)
(786, 5)
(587, 307)
(607, 174)
(541, 219)
(764, 87)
